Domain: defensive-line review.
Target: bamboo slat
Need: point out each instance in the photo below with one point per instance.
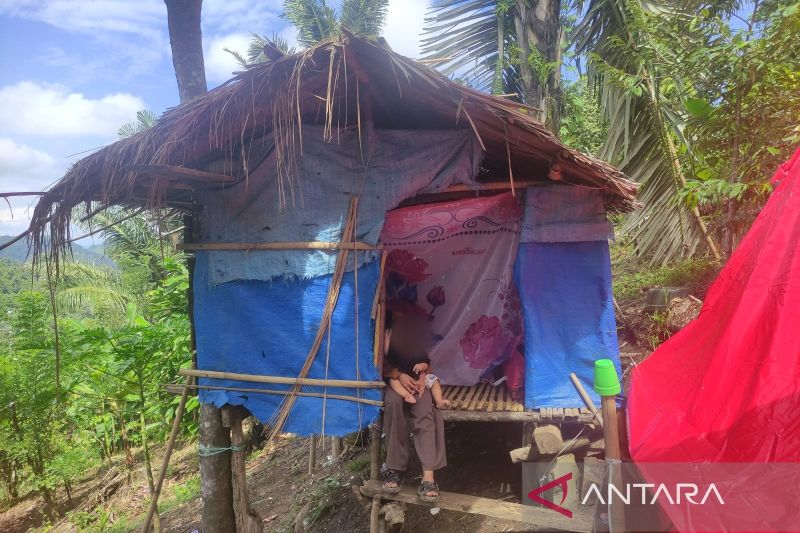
(488, 390)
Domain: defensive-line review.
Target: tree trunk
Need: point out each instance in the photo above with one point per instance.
(538, 28)
(183, 19)
(215, 472)
(186, 40)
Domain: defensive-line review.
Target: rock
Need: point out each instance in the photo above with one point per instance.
(548, 439)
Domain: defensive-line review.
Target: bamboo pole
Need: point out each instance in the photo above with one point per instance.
(176, 424)
(366, 401)
(245, 246)
(312, 382)
(587, 400)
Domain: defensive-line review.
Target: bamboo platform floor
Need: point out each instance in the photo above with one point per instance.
(484, 402)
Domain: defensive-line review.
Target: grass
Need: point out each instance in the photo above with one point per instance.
(632, 275)
(358, 464)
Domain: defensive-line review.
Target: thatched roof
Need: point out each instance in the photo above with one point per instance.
(349, 83)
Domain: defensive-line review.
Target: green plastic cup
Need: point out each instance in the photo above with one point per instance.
(606, 381)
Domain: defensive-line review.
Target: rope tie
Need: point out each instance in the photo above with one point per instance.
(209, 451)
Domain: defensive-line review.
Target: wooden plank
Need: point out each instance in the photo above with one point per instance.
(246, 246)
(182, 173)
(541, 517)
(492, 398)
(509, 401)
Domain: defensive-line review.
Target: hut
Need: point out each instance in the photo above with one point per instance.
(324, 187)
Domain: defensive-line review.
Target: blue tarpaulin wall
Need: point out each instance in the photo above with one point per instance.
(268, 327)
(565, 288)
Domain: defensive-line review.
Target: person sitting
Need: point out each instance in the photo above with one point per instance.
(417, 367)
(406, 340)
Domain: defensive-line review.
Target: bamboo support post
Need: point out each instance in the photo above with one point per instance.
(298, 382)
(312, 454)
(176, 424)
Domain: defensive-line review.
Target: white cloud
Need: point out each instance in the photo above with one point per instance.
(142, 17)
(237, 16)
(404, 24)
(23, 168)
(51, 110)
(220, 65)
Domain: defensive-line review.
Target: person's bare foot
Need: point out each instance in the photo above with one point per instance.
(410, 398)
(444, 404)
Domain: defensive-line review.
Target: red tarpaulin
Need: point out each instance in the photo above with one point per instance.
(727, 387)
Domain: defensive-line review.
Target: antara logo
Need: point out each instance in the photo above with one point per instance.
(682, 492)
(559, 482)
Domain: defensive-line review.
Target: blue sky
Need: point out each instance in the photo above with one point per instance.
(73, 71)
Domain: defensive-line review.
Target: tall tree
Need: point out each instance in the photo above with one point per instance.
(186, 40)
(502, 46)
(183, 17)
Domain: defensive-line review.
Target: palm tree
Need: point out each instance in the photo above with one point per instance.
(508, 46)
(643, 124)
(315, 22)
(502, 46)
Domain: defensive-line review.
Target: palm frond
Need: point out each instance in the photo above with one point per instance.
(364, 17)
(314, 19)
(641, 122)
(145, 119)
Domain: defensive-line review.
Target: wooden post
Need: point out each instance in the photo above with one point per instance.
(247, 520)
(312, 453)
(375, 450)
(336, 447)
(608, 405)
(375, 515)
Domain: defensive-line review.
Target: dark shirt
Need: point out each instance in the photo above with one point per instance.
(405, 363)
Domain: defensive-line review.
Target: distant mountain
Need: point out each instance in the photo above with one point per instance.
(18, 252)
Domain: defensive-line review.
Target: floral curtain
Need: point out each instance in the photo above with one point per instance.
(452, 262)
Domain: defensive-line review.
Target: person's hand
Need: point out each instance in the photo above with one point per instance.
(421, 384)
(419, 368)
(408, 383)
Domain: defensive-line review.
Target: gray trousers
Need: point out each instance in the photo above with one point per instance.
(425, 422)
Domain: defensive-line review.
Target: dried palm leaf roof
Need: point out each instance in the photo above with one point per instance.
(347, 83)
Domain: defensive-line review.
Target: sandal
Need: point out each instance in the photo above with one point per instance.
(392, 476)
(424, 488)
